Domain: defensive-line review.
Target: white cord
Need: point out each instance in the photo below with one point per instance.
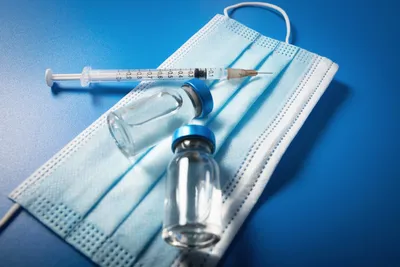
(277, 8)
(10, 213)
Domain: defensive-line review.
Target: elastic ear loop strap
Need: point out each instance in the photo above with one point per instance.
(262, 4)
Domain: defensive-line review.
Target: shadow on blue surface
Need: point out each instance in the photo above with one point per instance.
(297, 153)
(94, 89)
(98, 91)
(292, 161)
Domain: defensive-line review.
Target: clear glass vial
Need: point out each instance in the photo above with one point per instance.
(192, 206)
(148, 120)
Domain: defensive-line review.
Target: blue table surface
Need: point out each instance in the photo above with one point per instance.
(333, 199)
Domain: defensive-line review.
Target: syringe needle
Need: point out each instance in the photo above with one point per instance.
(264, 72)
(241, 73)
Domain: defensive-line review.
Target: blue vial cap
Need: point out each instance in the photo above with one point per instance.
(205, 97)
(193, 131)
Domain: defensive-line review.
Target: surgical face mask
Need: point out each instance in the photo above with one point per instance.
(111, 209)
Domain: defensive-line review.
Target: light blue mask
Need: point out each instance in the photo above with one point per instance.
(111, 209)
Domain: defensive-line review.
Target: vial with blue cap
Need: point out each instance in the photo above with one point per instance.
(192, 206)
(145, 122)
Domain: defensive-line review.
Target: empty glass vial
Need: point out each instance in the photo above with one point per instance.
(148, 120)
(192, 206)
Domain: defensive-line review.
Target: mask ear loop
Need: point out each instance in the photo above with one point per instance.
(262, 4)
(10, 214)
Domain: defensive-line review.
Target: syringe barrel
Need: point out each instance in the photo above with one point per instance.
(89, 75)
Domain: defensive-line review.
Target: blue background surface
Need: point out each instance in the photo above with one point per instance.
(332, 201)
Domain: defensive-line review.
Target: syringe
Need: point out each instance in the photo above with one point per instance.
(95, 76)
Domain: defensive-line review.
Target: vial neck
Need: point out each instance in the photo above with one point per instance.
(194, 98)
(193, 144)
